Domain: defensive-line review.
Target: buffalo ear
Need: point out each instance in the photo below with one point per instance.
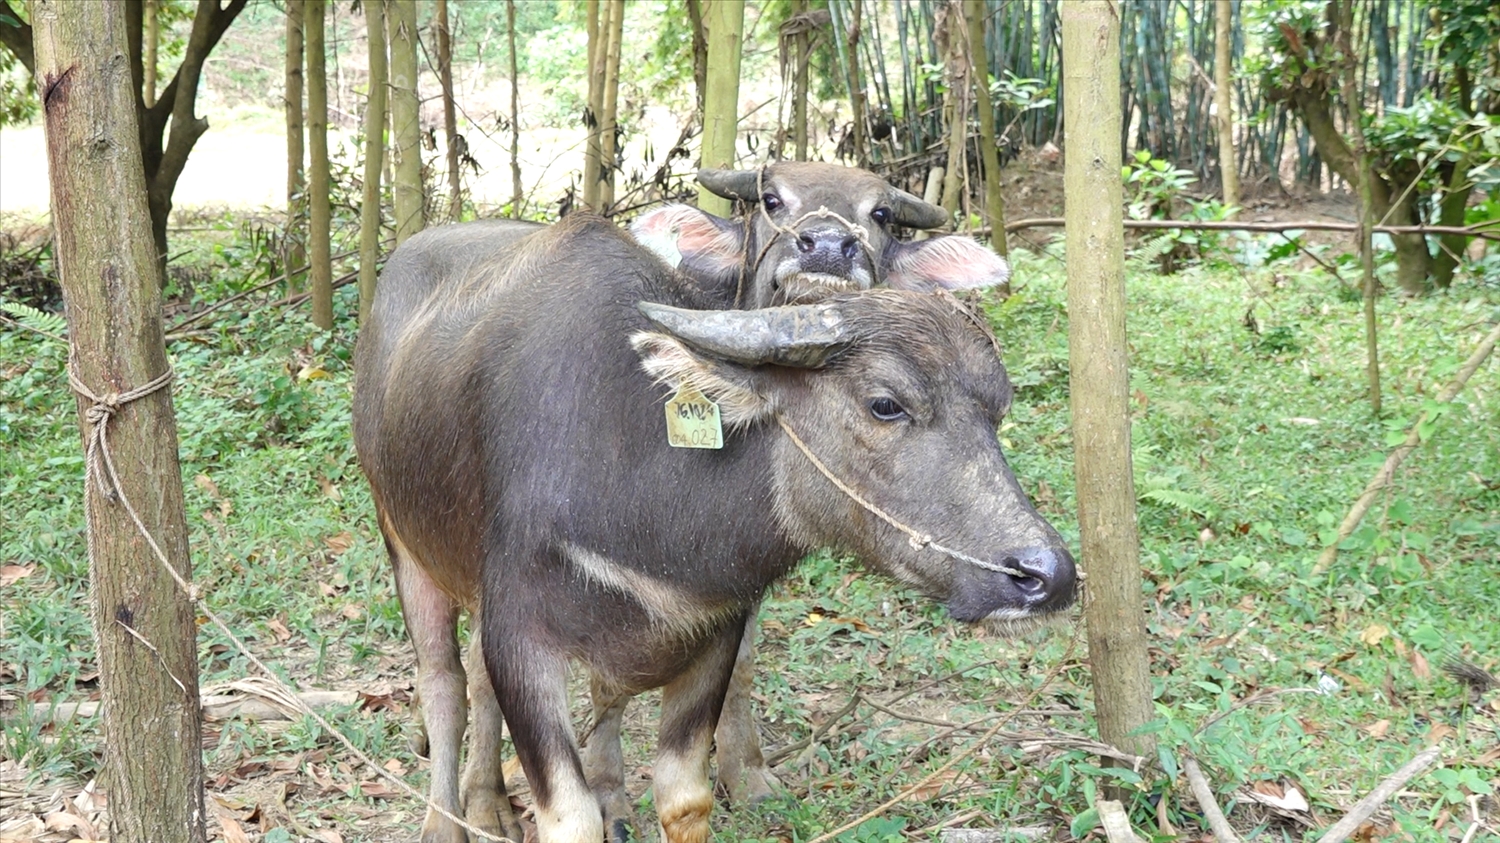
(740, 391)
(687, 238)
(954, 262)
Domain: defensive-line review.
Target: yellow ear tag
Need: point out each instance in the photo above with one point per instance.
(693, 420)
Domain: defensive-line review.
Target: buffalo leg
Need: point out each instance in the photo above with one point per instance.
(531, 684)
(603, 761)
(486, 804)
(431, 622)
(742, 767)
(690, 708)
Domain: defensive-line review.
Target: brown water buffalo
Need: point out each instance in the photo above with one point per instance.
(509, 416)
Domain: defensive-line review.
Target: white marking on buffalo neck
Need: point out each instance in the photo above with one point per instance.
(669, 607)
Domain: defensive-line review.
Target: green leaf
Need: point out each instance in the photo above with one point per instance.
(1084, 822)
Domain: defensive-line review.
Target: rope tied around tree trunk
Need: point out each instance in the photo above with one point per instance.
(918, 541)
(99, 470)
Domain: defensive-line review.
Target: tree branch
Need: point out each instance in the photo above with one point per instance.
(17, 39)
(209, 25)
(1481, 230)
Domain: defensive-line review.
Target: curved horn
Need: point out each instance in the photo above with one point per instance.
(917, 213)
(731, 184)
(794, 335)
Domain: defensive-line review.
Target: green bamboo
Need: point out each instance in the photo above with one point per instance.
(725, 20)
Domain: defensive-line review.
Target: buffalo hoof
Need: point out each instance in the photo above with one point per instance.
(491, 813)
(750, 785)
(618, 818)
(439, 829)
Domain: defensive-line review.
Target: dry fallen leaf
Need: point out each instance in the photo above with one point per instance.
(11, 574)
(233, 831)
(1419, 666)
(327, 835)
(278, 629)
(1291, 799)
(1374, 634)
(377, 790)
(1378, 729)
(339, 542)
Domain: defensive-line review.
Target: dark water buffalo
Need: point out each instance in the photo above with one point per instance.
(509, 416)
(797, 244)
(813, 228)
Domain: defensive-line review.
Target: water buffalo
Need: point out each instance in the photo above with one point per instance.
(508, 414)
(795, 244)
(812, 228)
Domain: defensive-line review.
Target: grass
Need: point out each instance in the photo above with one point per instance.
(1251, 436)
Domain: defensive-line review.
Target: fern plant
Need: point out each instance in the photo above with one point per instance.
(50, 325)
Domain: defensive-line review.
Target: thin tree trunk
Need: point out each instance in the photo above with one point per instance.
(800, 43)
(406, 129)
(1099, 374)
(726, 30)
(1365, 185)
(609, 136)
(1229, 172)
(856, 85)
(598, 27)
(320, 266)
(700, 49)
(152, 39)
(143, 623)
(296, 184)
(450, 116)
(958, 107)
(517, 197)
(994, 201)
(369, 209)
(1451, 212)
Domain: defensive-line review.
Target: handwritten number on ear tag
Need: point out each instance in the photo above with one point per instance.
(693, 420)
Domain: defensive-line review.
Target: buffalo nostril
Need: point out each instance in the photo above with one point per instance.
(806, 243)
(850, 247)
(1029, 585)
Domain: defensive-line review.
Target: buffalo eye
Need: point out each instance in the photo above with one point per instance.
(882, 216)
(886, 410)
(770, 201)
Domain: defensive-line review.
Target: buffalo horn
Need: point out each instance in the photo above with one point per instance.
(731, 184)
(793, 335)
(917, 213)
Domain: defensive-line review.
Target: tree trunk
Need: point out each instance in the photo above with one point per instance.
(1364, 185)
(152, 40)
(994, 201)
(320, 267)
(1229, 172)
(1099, 376)
(1413, 261)
(295, 256)
(700, 49)
(598, 27)
(517, 198)
(726, 31)
(801, 43)
(608, 121)
(1451, 212)
(143, 623)
(958, 107)
(450, 117)
(369, 209)
(406, 129)
(856, 86)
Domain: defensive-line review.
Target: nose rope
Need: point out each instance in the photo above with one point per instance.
(861, 234)
(918, 540)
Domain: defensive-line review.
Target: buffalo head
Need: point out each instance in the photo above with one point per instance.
(899, 395)
(809, 229)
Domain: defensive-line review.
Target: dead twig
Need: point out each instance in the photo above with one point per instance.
(1387, 471)
(1205, 796)
(1367, 806)
(1115, 822)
